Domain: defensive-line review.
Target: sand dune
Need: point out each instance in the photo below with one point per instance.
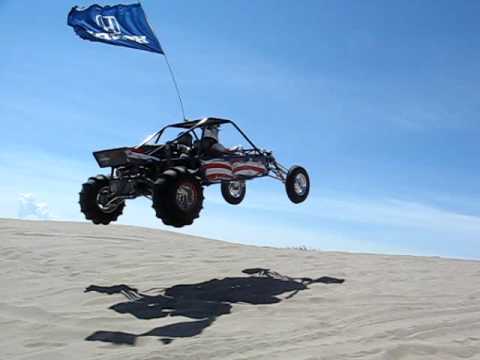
(153, 295)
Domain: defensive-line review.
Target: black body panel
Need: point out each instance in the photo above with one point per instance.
(111, 157)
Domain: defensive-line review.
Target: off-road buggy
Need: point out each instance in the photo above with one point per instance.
(173, 173)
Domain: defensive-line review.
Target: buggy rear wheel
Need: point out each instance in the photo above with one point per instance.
(97, 201)
(297, 184)
(177, 198)
(234, 191)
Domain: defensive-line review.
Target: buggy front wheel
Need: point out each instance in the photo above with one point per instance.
(297, 184)
(234, 191)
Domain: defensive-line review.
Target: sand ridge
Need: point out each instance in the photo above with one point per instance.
(390, 307)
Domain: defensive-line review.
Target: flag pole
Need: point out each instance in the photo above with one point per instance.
(176, 87)
(172, 74)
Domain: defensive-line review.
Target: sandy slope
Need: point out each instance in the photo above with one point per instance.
(389, 307)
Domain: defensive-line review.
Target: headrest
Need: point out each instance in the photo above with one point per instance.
(186, 139)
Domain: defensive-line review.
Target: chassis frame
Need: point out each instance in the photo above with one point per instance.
(172, 174)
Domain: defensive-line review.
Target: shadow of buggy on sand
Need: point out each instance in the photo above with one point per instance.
(203, 302)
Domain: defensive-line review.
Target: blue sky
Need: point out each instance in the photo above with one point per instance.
(379, 101)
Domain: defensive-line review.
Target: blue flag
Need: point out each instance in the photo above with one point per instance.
(122, 25)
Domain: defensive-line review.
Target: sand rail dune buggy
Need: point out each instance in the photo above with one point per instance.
(173, 173)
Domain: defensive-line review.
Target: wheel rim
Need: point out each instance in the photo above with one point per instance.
(186, 196)
(300, 184)
(235, 189)
(104, 200)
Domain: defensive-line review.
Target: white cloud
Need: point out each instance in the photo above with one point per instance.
(30, 208)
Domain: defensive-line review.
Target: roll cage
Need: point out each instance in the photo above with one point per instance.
(189, 127)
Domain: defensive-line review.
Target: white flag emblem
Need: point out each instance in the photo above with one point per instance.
(109, 24)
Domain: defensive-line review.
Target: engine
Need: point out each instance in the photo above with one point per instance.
(132, 181)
